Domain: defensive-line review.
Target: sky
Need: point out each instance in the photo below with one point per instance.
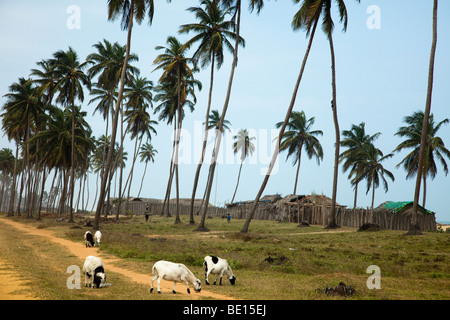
(381, 74)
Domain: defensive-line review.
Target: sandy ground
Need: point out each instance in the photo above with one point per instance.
(9, 279)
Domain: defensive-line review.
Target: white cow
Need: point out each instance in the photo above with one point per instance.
(93, 268)
(219, 267)
(97, 237)
(175, 272)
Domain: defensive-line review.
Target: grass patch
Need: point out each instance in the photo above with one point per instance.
(277, 260)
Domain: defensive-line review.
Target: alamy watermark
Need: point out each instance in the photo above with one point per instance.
(374, 20)
(73, 21)
(374, 281)
(191, 143)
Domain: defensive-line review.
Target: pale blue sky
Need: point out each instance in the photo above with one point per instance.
(381, 78)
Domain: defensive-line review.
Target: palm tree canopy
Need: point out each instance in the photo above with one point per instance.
(299, 135)
(108, 63)
(371, 169)
(435, 147)
(354, 140)
(312, 10)
(147, 153)
(243, 144)
(212, 32)
(139, 98)
(214, 120)
(122, 8)
(70, 76)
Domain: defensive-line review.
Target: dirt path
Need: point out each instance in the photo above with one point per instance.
(79, 250)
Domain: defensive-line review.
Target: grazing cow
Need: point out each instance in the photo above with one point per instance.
(88, 239)
(175, 272)
(219, 267)
(97, 237)
(93, 268)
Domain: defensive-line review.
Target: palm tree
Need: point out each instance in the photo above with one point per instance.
(214, 121)
(71, 78)
(243, 144)
(236, 7)
(414, 228)
(129, 10)
(434, 147)
(300, 135)
(213, 32)
(307, 19)
(139, 99)
(368, 167)
(175, 66)
(147, 154)
(167, 97)
(355, 139)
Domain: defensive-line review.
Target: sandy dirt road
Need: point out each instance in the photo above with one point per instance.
(110, 262)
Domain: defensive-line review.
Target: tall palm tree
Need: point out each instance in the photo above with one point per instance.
(434, 147)
(139, 99)
(414, 228)
(300, 135)
(147, 153)
(71, 78)
(354, 140)
(215, 120)
(213, 33)
(243, 145)
(167, 98)
(128, 10)
(236, 6)
(175, 65)
(368, 167)
(306, 19)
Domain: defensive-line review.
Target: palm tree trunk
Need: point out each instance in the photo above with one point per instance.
(332, 221)
(13, 186)
(414, 228)
(205, 138)
(202, 227)
(177, 145)
(280, 135)
(298, 167)
(356, 195)
(142, 180)
(424, 190)
(72, 164)
(237, 184)
(119, 202)
(114, 124)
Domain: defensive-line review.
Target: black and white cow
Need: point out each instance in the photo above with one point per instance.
(89, 239)
(218, 266)
(93, 269)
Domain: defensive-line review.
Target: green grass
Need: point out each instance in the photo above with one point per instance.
(303, 259)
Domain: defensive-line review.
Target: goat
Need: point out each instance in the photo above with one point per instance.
(93, 268)
(88, 239)
(219, 267)
(97, 237)
(175, 272)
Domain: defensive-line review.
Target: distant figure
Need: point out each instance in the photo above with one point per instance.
(147, 213)
(229, 218)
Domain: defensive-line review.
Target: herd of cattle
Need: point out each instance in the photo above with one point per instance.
(95, 277)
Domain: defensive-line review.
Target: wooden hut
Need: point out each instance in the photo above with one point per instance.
(397, 216)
